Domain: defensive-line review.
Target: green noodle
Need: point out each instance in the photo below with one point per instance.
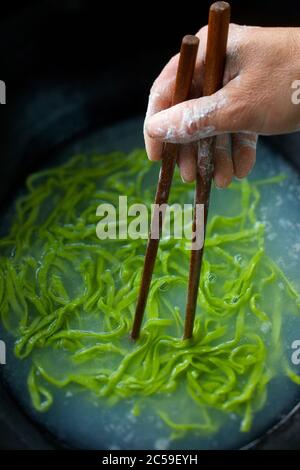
(57, 279)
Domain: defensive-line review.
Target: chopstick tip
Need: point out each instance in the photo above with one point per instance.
(190, 40)
(220, 7)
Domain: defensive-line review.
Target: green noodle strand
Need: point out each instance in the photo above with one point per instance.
(64, 293)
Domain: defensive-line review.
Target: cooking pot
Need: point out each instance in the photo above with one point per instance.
(71, 68)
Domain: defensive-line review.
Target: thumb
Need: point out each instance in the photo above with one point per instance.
(192, 120)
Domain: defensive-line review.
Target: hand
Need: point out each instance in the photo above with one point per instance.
(256, 98)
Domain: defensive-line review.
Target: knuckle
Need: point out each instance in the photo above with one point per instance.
(202, 32)
(173, 60)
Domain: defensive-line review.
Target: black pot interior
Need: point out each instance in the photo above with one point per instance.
(67, 76)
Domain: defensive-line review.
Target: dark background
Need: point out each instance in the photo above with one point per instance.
(74, 65)
(49, 37)
(65, 62)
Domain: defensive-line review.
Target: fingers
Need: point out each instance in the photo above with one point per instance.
(223, 171)
(153, 148)
(229, 114)
(187, 162)
(242, 146)
(162, 91)
(155, 104)
(243, 153)
(160, 98)
(189, 123)
(192, 120)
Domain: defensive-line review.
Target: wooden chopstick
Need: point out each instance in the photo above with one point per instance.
(218, 25)
(184, 76)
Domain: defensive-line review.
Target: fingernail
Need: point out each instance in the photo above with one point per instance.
(183, 180)
(224, 182)
(187, 181)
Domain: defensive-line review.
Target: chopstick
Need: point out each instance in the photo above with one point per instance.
(218, 25)
(184, 76)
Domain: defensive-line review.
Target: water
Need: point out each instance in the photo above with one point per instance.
(80, 420)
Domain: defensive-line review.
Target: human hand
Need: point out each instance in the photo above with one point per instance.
(261, 65)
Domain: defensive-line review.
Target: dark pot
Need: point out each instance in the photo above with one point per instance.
(69, 69)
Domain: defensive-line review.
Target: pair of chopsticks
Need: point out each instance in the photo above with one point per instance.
(218, 24)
